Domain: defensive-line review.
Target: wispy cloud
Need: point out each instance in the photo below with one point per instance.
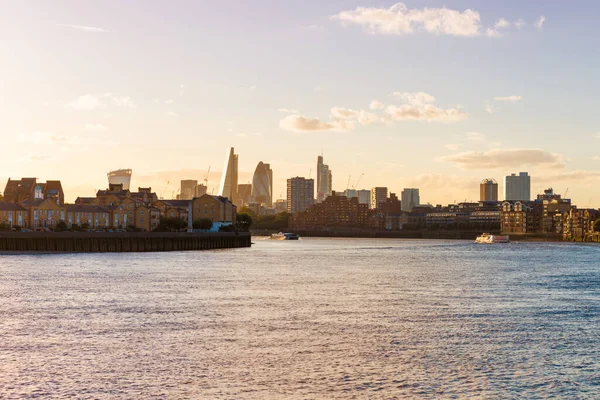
(539, 24)
(95, 128)
(512, 99)
(96, 101)
(299, 123)
(288, 110)
(376, 105)
(83, 28)
(171, 114)
(506, 158)
(498, 26)
(418, 106)
(454, 146)
(475, 136)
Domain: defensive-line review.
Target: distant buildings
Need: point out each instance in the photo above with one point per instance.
(410, 199)
(120, 176)
(518, 187)
(281, 205)
(364, 196)
(324, 180)
(391, 206)
(300, 194)
(488, 190)
(188, 189)
(245, 193)
(336, 210)
(229, 178)
(201, 190)
(378, 196)
(262, 184)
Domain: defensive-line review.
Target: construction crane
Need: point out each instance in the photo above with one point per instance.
(357, 182)
(162, 195)
(566, 193)
(206, 178)
(348, 185)
(310, 173)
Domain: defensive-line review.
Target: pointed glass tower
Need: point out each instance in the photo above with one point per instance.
(229, 177)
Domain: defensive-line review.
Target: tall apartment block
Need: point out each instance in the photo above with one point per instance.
(378, 196)
(518, 187)
(300, 194)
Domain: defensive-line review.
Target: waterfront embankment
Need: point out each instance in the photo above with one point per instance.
(119, 242)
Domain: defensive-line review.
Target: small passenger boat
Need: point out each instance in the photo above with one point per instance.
(285, 236)
(489, 239)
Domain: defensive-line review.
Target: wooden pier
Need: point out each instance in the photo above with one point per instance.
(118, 242)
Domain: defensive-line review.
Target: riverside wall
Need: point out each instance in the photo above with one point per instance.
(119, 242)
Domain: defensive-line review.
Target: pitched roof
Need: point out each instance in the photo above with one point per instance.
(4, 206)
(85, 208)
(177, 203)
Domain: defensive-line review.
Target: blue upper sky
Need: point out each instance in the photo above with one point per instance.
(432, 94)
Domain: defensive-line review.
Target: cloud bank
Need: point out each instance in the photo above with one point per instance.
(401, 20)
(506, 158)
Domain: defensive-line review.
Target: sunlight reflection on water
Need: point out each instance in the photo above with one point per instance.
(317, 318)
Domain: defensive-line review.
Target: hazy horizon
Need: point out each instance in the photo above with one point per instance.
(436, 95)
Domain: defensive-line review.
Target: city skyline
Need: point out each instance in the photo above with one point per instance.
(432, 106)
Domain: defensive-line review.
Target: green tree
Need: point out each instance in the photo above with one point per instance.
(247, 210)
(202, 223)
(61, 226)
(171, 224)
(4, 227)
(85, 226)
(597, 226)
(244, 221)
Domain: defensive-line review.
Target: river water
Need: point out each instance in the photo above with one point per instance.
(313, 319)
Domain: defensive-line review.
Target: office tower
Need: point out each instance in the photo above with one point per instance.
(120, 176)
(364, 197)
(201, 190)
(300, 194)
(262, 185)
(518, 187)
(378, 196)
(324, 180)
(229, 177)
(245, 193)
(351, 193)
(410, 199)
(488, 190)
(188, 189)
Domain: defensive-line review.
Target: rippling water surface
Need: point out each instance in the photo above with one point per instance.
(313, 319)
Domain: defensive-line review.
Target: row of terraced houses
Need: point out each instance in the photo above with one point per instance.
(40, 206)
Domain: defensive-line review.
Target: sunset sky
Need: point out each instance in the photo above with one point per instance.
(430, 94)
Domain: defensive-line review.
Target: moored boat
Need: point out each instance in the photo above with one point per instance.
(285, 236)
(486, 238)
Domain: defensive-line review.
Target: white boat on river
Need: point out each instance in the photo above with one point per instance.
(486, 238)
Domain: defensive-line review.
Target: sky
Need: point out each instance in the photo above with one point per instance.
(430, 94)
